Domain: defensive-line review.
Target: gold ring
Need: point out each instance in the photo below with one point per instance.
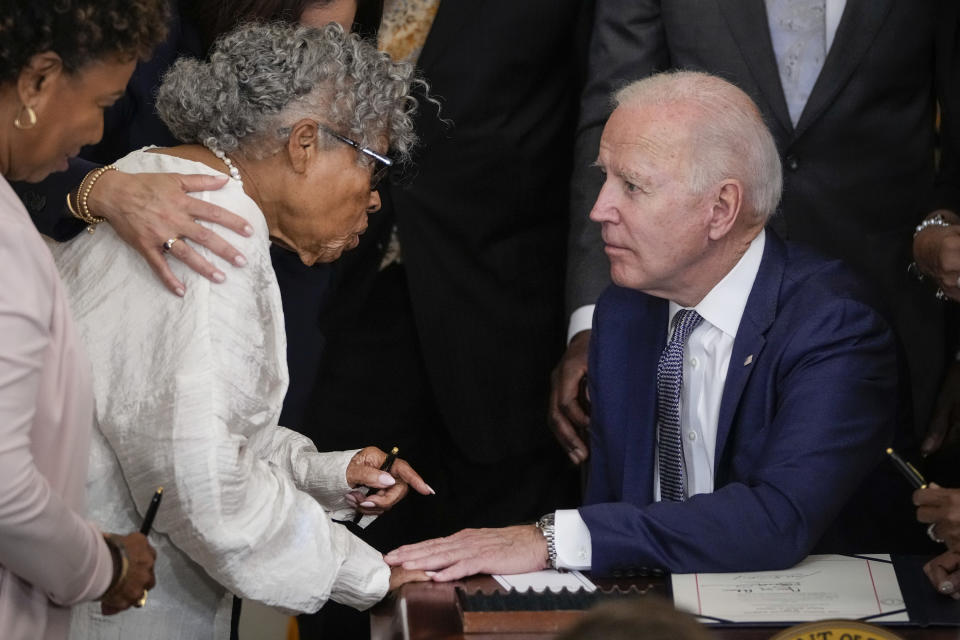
(143, 599)
(168, 245)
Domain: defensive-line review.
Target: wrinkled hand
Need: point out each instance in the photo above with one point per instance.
(516, 549)
(388, 488)
(400, 576)
(567, 417)
(139, 578)
(945, 425)
(936, 250)
(939, 506)
(944, 573)
(147, 209)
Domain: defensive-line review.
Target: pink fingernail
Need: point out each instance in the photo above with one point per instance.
(248, 230)
(180, 292)
(240, 261)
(430, 574)
(430, 489)
(218, 277)
(367, 504)
(387, 479)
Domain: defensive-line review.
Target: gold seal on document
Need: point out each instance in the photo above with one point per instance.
(836, 630)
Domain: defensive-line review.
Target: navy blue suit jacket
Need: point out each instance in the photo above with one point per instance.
(801, 423)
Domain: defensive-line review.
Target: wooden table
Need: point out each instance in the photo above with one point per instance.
(429, 611)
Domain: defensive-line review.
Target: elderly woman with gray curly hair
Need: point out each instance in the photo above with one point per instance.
(189, 390)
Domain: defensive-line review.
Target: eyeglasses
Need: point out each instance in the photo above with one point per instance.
(382, 163)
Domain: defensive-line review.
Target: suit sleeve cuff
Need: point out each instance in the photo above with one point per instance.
(572, 538)
(580, 320)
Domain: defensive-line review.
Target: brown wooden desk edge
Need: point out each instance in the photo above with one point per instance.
(428, 610)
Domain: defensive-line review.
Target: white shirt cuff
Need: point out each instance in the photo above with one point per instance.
(580, 320)
(364, 578)
(572, 538)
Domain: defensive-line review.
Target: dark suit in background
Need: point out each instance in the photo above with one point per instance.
(808, 405)
(859, 166)
(448, 355)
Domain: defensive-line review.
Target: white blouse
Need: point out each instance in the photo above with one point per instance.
(188, 393)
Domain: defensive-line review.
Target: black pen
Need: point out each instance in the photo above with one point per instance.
(908, 470)
(384, 467)
(151, 512)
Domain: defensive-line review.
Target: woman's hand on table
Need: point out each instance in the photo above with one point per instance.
(400, 576)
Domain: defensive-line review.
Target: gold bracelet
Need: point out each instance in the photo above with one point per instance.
(76, 198)
(83, 194)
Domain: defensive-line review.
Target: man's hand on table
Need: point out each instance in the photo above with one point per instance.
(516, 549)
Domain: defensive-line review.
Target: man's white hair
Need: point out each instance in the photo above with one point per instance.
(728, 138)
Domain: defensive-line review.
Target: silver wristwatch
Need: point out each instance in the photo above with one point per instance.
(546, 526)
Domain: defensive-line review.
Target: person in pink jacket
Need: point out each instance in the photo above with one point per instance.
(61, 63)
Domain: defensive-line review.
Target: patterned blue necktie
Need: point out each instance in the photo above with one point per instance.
(669, 380)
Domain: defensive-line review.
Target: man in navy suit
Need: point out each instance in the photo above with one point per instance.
(742, 387)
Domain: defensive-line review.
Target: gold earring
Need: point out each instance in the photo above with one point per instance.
(31, 118)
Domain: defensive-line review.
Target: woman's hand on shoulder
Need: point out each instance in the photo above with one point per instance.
(387, 489)
(147, 209)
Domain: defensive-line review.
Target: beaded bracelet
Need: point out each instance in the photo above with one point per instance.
(82, 210)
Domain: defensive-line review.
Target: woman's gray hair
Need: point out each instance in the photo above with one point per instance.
(264, 77)
(728, 138)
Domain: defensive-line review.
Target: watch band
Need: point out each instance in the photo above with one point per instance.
(546, 524)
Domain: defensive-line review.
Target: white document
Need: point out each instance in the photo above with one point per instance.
(551, 579)
(820, 587)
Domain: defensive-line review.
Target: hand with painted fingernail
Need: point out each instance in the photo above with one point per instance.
(387, 489)
(944, 573)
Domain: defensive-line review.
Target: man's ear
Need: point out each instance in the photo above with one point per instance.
(303, 145)
(38, 77)
(725, 209)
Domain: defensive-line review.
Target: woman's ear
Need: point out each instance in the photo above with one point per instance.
(302, 146)
(37, 79)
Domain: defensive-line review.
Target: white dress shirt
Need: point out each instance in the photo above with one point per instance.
(706, 359)
(188, 393)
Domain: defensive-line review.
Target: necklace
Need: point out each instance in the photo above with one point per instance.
(209, 143)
